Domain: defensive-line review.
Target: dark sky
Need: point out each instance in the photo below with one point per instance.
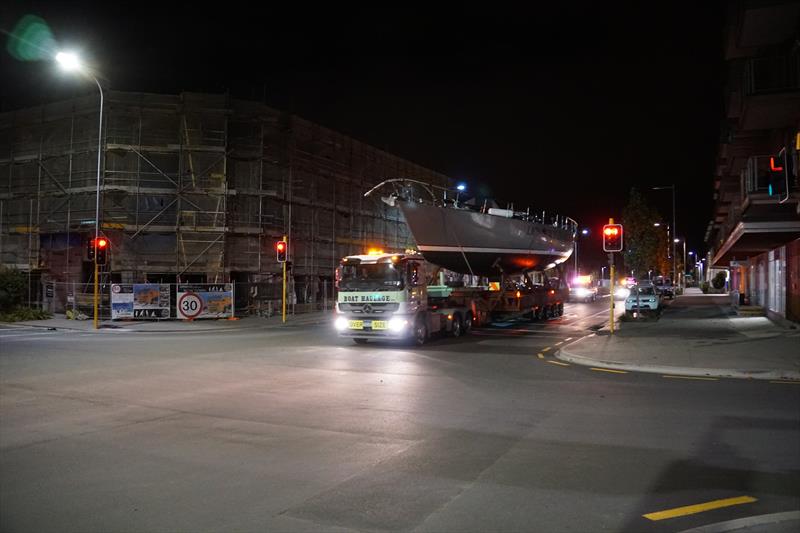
(562, 108)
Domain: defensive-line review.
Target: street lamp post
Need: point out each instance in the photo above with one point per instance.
(584, 232)
(674, 226)
(71, 62)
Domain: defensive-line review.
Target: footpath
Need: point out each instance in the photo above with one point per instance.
(697, 335)
(60, 322)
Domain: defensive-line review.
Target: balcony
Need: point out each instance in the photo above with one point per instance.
(759, 222)
(771, 89)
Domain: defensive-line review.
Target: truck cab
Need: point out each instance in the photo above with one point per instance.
(387, 296)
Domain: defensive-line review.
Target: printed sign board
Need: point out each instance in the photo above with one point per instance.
(204, 300)
(140, 300)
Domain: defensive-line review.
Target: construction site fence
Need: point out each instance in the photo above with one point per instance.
(264, 299)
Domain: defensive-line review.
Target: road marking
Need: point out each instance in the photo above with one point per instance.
(699, 508)
(540, 355)
(609, 370)
(562, 342)
(546, 349)
(568, 339)
(557, 362)
(690, 377)
(787, 382)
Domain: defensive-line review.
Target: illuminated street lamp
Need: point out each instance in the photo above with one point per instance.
(71, 62)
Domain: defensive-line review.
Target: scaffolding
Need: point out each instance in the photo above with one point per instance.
(194, 188)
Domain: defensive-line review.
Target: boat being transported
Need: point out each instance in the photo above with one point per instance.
(478, 239)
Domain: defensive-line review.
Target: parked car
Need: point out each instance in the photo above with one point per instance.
(643, 300)
(665, 289)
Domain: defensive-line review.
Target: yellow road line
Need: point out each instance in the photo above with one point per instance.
(540, 355)
(699, 508)
(609, 370)
(690, 377)
(788, 382)
(557, 362)
(568, 339)
(562, 342)
(546, 349)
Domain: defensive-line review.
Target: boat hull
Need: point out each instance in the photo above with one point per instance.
(476, 243)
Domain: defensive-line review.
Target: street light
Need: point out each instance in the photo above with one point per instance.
(683, 273)
(674, 225)
(72, 63)
(584, 232)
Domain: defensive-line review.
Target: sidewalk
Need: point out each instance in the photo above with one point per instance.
(697, 335)
(60, 322)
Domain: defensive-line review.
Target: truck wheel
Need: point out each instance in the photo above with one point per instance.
(420, 333)
(456, 329)
(560, 310)
(360, 340)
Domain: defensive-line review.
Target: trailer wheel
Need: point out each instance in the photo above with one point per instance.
(420, 332)
(467, 323)
(360, 340)
(457, 328)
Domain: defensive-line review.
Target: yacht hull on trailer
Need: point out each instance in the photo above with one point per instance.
(485, 244)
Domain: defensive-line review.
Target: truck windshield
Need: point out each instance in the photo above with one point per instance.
(379, 276)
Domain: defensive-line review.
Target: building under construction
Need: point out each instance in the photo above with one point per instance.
(193, 188)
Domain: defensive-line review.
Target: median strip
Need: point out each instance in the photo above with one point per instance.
(609, 370)
(698, 508)
(557, 362)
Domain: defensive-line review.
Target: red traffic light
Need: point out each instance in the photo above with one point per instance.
(281, 246)
(101, 243)
(612, 238)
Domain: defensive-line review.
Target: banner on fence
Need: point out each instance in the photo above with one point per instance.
(140, 300)
(204, 300)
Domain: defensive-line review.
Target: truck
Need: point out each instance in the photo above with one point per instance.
(400, 296)
(583, 289)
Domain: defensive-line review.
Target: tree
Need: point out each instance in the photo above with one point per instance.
(13, 284)
(642, 239)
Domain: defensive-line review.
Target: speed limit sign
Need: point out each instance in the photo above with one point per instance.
(190, 305)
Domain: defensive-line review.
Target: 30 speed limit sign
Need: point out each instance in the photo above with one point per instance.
(190, 305)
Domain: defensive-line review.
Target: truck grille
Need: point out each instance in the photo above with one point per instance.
(370, 308)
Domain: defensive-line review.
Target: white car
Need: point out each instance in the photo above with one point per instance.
(643, 299)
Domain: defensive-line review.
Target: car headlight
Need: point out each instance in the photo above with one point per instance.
(622, 292)
(341, 323)
(582, 291)
(397, 324)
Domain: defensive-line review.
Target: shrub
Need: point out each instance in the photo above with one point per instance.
(719, 280)
(21, 314)
(13, 285)
(704, 287)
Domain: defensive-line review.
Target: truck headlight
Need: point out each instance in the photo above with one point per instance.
(622, 292)
(582, 291)
(397, 324)
(341, 323)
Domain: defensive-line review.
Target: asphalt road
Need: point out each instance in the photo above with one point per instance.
(294, 429)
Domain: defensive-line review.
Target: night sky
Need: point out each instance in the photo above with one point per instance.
(560, 108)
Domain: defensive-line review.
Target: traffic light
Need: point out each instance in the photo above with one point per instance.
(612, 238)
(90, 250)
(101, 250)
(779, 172)
(281, 248)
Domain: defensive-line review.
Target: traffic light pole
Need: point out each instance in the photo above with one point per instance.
(611, 288)
(96, 287)
(283, 313)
